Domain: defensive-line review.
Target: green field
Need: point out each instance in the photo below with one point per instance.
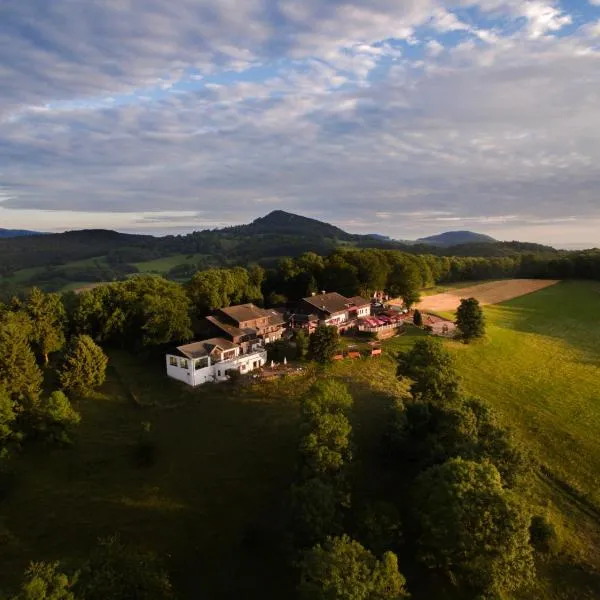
(226, 455)
(164, 265)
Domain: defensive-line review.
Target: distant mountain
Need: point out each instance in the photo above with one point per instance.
(280, 222)
(456, 238)
(11, 233)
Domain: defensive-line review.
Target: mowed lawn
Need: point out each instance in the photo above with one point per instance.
(540, 368)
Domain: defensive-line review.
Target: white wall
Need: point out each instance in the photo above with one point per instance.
(364, 311)
(216, 372)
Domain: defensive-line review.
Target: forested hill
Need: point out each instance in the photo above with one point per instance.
(455, 238)
(12, 233)
(77, 257)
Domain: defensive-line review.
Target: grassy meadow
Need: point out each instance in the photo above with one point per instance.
(226, 455)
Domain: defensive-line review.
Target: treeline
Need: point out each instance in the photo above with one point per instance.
(36, 345)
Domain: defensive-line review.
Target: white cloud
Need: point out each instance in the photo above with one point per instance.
(334, 119)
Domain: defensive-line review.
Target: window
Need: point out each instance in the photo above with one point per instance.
(183, 363)
(172, 361)
(218, 373)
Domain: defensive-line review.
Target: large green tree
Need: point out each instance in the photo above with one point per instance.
(84, 367)
(324, 343)
(326, 447)
(45, 581)
(342, 569)
(48, 318)
(431, 369)
(326, 396)
(472, 528)
(7, 423)
(116, 571)
(19, 374)
(470, 320)
(55, 418)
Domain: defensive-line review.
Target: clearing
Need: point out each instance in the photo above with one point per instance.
(487, 293)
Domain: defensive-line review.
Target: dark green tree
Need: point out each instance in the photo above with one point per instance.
(55, 418)
(48, 318)
(7, 423)
(301, 339)
(19, 374)
(342, 569)
(84, 367)
(45, 581)
(472, 528)
(470, 320)
(323, 344)
(431, 369)
(326, 396)
(326, 447)
(121, 572)
(418, 318)
(315, 511)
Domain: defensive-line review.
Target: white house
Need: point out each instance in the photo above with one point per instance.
(335, 309)
(212, 360)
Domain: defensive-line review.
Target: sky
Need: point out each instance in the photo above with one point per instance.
(404, 118)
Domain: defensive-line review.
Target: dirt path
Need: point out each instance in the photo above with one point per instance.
(487, 293)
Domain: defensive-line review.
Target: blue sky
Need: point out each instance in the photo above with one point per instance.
(403, 118)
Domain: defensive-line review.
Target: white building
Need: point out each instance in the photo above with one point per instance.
(212, 360)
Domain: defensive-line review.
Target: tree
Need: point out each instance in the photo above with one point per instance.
(44, 581)
(470, 320)
(418, 318)
(55, 417)
(342, 569)
(84, 367)
(7, 422)
(19, 374)
(301, 339)
(48, 317)
(314, 511)
(116, 571)
(326, 447)
(326, 396)
(472, 528)
(323, 344)
(431, 369)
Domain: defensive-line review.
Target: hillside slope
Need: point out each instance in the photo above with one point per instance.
(455, 238)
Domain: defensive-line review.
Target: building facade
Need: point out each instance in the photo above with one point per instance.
(333, 309)
(212, 360)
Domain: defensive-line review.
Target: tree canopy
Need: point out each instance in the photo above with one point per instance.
(342, 569)
(84, 367)
(470, 320)
(431, 369)
(473, 528)
(323, 344)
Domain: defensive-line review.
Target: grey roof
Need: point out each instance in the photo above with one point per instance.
(203, 348)
(329, 303)
(232, 330)
(245, 312)
(359, 301)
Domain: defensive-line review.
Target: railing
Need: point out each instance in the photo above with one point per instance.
(367, 329)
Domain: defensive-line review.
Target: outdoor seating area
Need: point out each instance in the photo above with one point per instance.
(383, 325)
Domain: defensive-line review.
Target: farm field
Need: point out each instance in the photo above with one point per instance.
(226, 455)
(163, 265)
(487, 293)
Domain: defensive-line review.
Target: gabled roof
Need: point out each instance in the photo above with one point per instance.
(203, 348)
(231, 330)
(359, 301)
(245, 312)
(329, 303)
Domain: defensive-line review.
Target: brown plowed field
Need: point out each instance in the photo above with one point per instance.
(487, 293)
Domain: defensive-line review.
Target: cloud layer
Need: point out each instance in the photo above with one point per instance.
(404, 118)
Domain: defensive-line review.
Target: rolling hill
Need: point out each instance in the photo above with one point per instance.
(12, 233)
(456, 238)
